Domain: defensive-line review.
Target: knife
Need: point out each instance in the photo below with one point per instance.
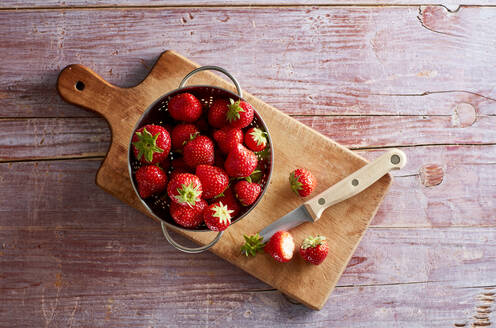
(353, 184)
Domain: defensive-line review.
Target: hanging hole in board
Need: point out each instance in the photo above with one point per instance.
(395, 159)
(354, 182)
(80, 85)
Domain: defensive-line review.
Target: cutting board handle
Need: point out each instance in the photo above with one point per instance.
(80, 86)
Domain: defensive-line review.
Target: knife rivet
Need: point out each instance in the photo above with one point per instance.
(321, 201)
(395, 159)
(354, 182)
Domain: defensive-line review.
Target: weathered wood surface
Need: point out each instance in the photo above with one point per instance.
(44, 138)
(342, 60)
(452, 5)
(71, 255)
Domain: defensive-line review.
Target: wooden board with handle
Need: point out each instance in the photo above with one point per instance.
(294, 144)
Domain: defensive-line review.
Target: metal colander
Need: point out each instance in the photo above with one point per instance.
(157, 113)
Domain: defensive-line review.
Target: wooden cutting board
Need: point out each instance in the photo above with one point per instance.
(294, 144)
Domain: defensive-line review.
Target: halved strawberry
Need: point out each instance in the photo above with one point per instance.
(240, 162)
(214, 180)
(188, 216)
(181, 134)
(240, 114)
(217, 113)
(255, 139)
(185, 107)
(151, 144)
(198, 151)
(228, 138)
(184, 189)
(247, 192)
(280, 246)
(151, 180)
(217, 216)
(314, 249)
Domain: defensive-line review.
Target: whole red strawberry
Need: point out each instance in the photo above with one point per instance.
(314, 249)
(185, 107)
(227, 138)
(247, 192)
(217, 217)
(198, 151)
(217, 113)
(151, 180)
(188, 216)
(231, 202)
(240, 162)
(184, 189)
(280, 246)
(214, 180)
(240, 114)
(181, 134)
(255, 139)
(151, 144)
(302, 182)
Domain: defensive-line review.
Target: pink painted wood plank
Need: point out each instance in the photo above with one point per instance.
(311, 60)
(118, 277)
(44, 138)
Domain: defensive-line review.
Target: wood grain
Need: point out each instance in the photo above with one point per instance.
(125, 278)
(343, 60)
(452, 5)
(43, 138)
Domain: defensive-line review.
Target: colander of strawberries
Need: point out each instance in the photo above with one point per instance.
(200, 158)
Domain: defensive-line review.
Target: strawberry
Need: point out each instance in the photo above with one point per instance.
(230, 201)
(151, 179)
(217, 113)
(255, 139)
(185, 107)
(240, 114)
(214, 180)
(198, 151)
(217, 216)
(280, 246)
(181, 134)
(227, 138)
(184, 189)
(240, 162)
(252, 245)
(188, 216)
(151, 144)
(247, 192)
(314, 249)
(302, 182)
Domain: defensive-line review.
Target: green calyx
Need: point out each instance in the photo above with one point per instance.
(147, 145)
(295, 183)
(311, 242)
(222, 213)
(259, 136)
(188, 194)
(252, 245)
(234, 110)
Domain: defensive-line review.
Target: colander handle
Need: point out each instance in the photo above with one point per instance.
(189, 249)
(212, 68)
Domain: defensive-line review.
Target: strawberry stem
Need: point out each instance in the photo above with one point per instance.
(189, 194)
(234, 110)
(252, 245)
(147, 145)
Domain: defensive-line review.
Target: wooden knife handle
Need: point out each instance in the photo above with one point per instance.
(356, 182)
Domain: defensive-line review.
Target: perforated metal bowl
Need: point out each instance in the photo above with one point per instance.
(157, 113)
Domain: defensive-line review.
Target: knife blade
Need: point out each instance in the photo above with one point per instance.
(348, 187)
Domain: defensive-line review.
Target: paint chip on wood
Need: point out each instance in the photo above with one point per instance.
(431, 175)
(463, 115)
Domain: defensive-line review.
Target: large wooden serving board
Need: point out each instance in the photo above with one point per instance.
(294, 144)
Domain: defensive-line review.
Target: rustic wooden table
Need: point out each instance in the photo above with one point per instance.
(370, 76)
